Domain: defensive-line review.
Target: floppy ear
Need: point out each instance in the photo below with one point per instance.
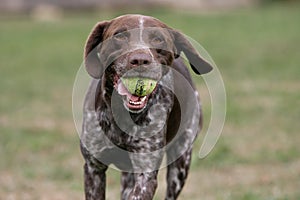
(198, 64)
(91, 60)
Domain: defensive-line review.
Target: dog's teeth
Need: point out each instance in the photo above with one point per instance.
(135, 103)
(144, 98)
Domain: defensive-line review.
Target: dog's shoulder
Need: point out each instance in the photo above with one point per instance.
(180, 66)
(91, 94)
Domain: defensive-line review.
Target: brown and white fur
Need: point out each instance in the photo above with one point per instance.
(136, 45)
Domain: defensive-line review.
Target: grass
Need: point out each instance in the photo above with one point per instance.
(257, 157)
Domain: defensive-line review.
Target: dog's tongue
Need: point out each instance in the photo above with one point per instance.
(123, 91)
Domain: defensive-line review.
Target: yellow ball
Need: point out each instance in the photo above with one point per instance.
(139, 86)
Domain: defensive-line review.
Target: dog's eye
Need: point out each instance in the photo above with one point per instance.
(156, 40)
(121, 36)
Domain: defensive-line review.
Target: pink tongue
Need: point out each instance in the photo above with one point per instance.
(123, 91)
(134, 98)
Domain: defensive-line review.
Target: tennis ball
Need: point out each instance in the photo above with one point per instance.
(139, 86)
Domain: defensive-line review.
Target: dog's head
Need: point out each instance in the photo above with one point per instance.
(136, 46)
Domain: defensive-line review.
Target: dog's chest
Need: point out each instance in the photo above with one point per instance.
(110, 128)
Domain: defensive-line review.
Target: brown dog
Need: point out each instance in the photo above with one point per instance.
(132, 131)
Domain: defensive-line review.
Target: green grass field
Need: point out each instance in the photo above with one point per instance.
(257, 157)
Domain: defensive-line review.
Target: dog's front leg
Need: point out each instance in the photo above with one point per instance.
(145, 186)
(94, 182)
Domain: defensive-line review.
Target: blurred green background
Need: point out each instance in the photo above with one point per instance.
(256, 48)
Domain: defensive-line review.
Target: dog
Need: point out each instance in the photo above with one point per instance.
(131, 131)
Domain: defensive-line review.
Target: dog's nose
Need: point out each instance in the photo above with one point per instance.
(139, 59)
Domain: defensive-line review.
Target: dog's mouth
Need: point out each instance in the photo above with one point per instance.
(133, 100)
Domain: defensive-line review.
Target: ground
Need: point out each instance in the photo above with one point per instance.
(257, 156)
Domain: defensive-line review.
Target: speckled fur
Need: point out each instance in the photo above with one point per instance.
(137, 151)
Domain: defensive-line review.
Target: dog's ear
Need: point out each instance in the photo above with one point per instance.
(91, 60)
(198, 64)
